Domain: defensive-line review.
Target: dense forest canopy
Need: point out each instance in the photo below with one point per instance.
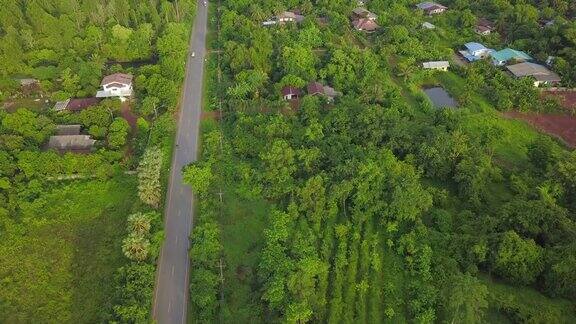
(66, 44)
(378, 207)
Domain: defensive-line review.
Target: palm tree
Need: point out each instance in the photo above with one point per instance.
(139, 224)
(135, 247)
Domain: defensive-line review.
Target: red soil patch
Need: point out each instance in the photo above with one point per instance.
(567, 99)
(561, 126)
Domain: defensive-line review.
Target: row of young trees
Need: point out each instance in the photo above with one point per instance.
(383, 208)
(206, 247)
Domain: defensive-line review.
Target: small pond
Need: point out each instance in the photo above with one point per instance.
(440, 98)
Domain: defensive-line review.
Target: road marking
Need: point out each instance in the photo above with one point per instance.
(187, 124)
(172, 271)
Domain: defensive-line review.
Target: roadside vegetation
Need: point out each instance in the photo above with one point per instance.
(80, 233)
(379, 207)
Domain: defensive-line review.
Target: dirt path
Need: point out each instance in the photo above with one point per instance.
(126, 113)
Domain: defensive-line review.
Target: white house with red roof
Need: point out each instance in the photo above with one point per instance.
(116, 85)
(290, 93)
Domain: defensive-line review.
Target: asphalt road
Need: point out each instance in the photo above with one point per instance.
(171, 291)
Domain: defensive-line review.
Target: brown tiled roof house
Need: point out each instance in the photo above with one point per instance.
(71, 143)
(365, 24)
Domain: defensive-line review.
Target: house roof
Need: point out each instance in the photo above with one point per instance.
(315, 88)
(436, 64)
(61, 105)
(68, 129)
(27, 82)
(364, 13)
(360, 11)
(290, 15)
(482, 29)
(331, 92)
(508, 54)
(289, 90)
(429, 5)
(485, 23)
(428, 25)
(365, 24)
(473, 47)
(82, 103)
(287, 14)
(71, 142)
(117, 78)
(539, 72)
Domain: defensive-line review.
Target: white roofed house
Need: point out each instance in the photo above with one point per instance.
(427, 25)
(284, 17)
(436, 65)
(116, 85)
(431, 8)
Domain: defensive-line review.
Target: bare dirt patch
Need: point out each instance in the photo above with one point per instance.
(567, 99)
(561, 126)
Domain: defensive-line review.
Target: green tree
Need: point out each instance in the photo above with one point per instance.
(118, 133)
(560, 275)
(248, 82)
(135, 247)
(280, 167)
(542, 153)
(205, 253)
(149, 187)
(517, 259)
(199, 176)
(139, 224)
(466, 299)
(70, 82)
(299, 61)
(135, 287)
(29, 124)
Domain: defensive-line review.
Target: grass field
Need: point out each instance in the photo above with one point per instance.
(242, 225)
(62, 269)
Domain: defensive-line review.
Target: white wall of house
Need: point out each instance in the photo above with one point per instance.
(115, 89)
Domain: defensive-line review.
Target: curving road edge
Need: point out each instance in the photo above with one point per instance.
(171, 290)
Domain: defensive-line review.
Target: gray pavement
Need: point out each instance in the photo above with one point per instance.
(171, 291)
